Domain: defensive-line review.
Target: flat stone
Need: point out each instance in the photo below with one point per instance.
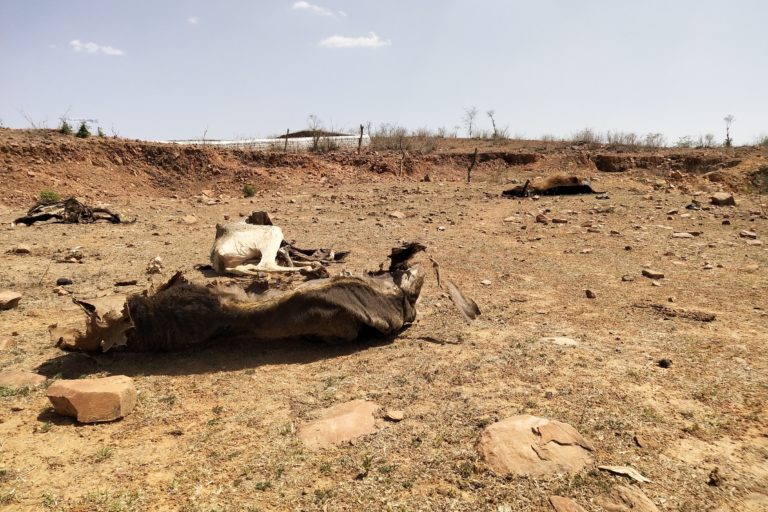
(7, 343)
(9, 299)
(560, 341)
(510, 219)
(682, 235)
(21, 249)
(558, 220)
(189, 219)
(722, 199)
(653, 274)
(748, 234)
(627, 499)
(397, 215)
(561, 504)
(340, 423)
(755, 242)
(531, 446)
(94, 400)
(486, 282)
(394, 415)
(19, 379)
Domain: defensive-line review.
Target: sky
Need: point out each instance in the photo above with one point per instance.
(231, 69)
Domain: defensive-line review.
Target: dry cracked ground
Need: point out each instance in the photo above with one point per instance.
(217, 428)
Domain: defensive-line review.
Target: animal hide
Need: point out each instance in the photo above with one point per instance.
(552, 186)
(70, 211)
(182, 314)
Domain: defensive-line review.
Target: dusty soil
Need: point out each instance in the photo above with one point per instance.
(215, 428)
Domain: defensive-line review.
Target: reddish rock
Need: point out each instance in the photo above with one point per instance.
(18, 379)
(530, 446)
(94, 400)
(340, 423)
(627, 499)
(7, 344)
(9, 299)
(561, 504)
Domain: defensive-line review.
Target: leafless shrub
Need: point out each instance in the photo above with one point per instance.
(470, 114)
(588, 136)
(684, 142)
(654, 140)
(389, 136)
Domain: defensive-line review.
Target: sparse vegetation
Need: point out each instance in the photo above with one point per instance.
(249, 190)
(48, 196)
(83, 132)
(470, 114)
(65, 128)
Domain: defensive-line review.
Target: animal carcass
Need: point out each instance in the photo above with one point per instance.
(552, 186)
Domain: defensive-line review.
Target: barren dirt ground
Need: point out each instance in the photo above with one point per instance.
(215, 428)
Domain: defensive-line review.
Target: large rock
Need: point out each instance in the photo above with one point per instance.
(18, 379)
(527, 445)
(561, 504)
(9, 299)
(626, 499)
(94, 400)
(340, 423)
(722, 199)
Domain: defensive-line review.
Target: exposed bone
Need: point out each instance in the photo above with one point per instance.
(239, 243)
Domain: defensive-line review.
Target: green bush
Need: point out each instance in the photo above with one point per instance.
(100, 133)
(65, 129)
(48, 196)
(83, 132)
(248, 190)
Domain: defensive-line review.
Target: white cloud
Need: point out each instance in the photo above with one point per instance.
(193, 20)
(369, 41)
(80, 47)
(306, 6)
(342, 14)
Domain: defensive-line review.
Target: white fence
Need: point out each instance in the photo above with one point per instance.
(295, 144)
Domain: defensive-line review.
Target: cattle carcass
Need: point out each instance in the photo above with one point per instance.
(183, 314)
(552, 186)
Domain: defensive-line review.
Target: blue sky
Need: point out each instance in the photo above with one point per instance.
(173, 69)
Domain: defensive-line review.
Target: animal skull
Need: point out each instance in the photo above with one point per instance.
(238, 243)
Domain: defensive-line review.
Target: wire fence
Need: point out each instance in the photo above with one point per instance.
(291, 144)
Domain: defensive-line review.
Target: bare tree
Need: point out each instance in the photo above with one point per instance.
(469, 119)
(490, 114)
(315, 126)
(728, 122)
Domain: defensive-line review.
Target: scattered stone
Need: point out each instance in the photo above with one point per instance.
(7, 344)
(715, 479)
(61, 292)
(557, 220)
(531, 446)
(722, 199)
(726, 222)
(129, 282)
(485, 282)
(94, 400)
(9, 299)
(340, 423)
(441, 228)
(627, 278)
(189, 219)
(20, 249)
(19, 379)
(755, 242)
(682, 235)
(561, 341)
(748, 234)
(590, 294)
(653, 274)
(664, 363)
(397, 215)
(510, 219)
(627, 499)
(645, 442)
(63, 281)
(394, 415)
(626, 471)
(542, 219)
(561, 504)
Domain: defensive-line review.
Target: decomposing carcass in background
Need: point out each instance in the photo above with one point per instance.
(552, 186)
(70, 211)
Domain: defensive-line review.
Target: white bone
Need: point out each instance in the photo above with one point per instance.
(238, 243)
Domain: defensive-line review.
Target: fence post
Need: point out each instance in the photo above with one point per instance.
(360, 141)
(287, 132)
